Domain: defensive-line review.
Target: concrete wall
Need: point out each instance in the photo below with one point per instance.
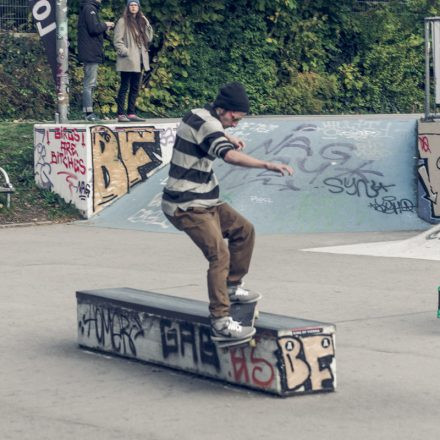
(291, 356)
(429, 171)
(352, 173)
(92, 166)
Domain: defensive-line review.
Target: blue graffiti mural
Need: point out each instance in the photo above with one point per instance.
(350, 175)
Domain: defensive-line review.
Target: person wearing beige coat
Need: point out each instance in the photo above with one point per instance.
(132, 36)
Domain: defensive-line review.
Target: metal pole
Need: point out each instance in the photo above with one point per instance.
(62, 61)
(427, 73)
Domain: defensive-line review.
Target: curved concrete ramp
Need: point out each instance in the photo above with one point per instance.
(351, 174)
(139, 209)
(424, 246)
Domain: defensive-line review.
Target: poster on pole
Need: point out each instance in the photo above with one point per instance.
(44, 14)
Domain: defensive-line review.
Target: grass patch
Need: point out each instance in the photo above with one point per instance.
(29, 203)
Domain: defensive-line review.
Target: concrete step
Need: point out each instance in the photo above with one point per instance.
(291, 356)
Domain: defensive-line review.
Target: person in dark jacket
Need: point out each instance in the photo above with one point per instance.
(91, 31)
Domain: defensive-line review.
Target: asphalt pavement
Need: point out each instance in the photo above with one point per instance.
(387, 340)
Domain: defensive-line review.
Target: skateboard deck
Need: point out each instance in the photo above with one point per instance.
(245, 314)
(236, 343)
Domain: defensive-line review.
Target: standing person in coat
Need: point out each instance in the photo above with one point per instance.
(91, 32)
(133, 34)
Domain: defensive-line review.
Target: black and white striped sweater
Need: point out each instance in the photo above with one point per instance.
(200, 139)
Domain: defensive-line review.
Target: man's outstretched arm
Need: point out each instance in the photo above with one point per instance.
(235, 157)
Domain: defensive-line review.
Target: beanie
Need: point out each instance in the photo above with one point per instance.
(133, 1)
(233, 97)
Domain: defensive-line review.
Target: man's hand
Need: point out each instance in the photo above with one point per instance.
(235, 157)
(239, 144)
(110, 24)
(281, 168)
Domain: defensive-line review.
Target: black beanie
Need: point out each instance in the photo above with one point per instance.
(233, 97)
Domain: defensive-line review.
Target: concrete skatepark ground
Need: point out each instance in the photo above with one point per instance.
(388, 346)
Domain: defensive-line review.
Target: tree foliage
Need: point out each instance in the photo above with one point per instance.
(293, 56)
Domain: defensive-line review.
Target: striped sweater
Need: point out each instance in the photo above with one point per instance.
(200, 139)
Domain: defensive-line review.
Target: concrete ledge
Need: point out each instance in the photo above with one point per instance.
(292, 356)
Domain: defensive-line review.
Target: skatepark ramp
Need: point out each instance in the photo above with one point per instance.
(291, 356)
(351, 173)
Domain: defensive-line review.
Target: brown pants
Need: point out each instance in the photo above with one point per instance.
(228, 263)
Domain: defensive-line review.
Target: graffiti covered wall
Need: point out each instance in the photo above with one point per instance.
(284, 361)
(92, 166)
(350, 174)
(429, 171)
(62, 162)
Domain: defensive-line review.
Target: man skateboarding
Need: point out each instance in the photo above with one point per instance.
(191, 203)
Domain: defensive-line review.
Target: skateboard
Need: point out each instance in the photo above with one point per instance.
(245, 314)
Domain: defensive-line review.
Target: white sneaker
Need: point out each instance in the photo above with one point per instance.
(226, 328)
(238, 294)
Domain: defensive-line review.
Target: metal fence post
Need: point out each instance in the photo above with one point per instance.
(427, 73)
(62, 48)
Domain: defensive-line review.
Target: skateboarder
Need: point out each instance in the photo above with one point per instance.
(191, 202)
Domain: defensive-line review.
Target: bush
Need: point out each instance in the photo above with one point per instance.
(26, 84)
(293, 57)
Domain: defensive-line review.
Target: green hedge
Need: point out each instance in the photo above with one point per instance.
(26, 85)
(294, 57)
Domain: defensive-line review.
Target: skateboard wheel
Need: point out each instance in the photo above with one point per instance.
(253, 343)
(257, 314)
